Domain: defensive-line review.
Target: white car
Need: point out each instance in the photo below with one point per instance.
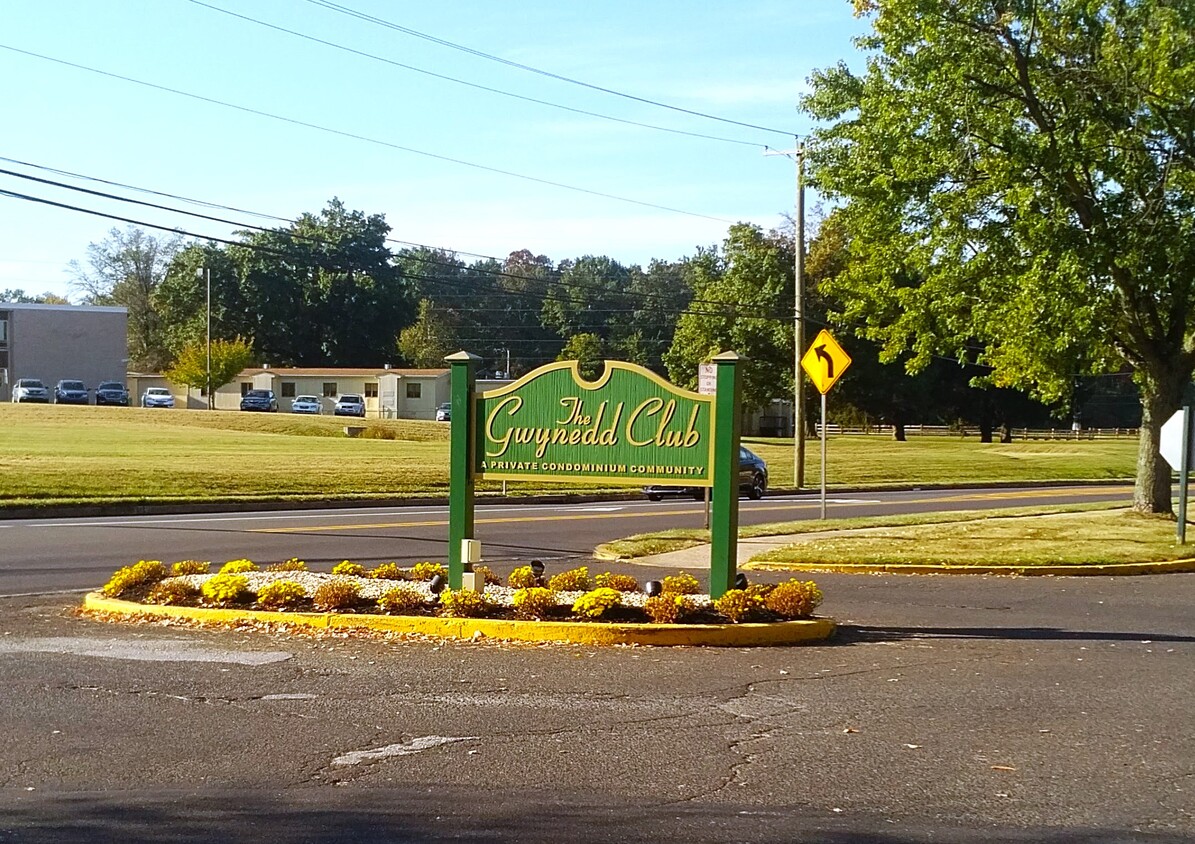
(30, 389)
(157, 397)
(444, 412)
(306, 404)
(350, 404)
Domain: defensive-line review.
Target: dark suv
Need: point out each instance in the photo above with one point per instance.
(112, 392)
(71, 392)
(753, 480)
(259, 400)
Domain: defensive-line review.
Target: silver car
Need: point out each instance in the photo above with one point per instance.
(350, 404)
(157, 397)
(306, 404)
(30, 389)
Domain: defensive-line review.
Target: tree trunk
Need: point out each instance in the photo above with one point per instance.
(1161, 396)
(898, 431)
(1005, 433)
(985, 430)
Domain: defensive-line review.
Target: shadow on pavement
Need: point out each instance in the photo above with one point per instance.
(433, 814)
(854, 633)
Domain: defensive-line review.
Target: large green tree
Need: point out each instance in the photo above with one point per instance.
(324, 290)
(1019, 180)
(742, 301)
(431, 339)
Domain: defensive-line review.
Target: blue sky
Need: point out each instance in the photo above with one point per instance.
(746, 61)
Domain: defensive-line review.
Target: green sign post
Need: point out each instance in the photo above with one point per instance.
(629, 427)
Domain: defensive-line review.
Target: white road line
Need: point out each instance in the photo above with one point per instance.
(415, 745)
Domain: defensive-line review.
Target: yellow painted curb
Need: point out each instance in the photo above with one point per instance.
(578, 632)
(1112, 569)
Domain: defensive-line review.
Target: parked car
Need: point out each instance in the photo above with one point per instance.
(71, 392)
(350, 404)
(262, 400)
(157, 397)
(306, 404)
(112, 392)
(444, 412)
(30, 389)
(753, 480)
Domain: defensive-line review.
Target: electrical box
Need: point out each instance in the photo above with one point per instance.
(470, 551)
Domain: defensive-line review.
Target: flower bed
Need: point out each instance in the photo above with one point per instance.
(527, 595)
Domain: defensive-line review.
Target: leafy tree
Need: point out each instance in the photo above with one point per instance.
(741, 299)
(432, 338)
(323, 291)
(18, 295)
(181, 298)
(590, 289)
(1019, 181)
(125, 269)
(587, 350)
(229, 358)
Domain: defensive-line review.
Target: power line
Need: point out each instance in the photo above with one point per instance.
(345, 10)
(500, 92)
(248, 226)
(365, 138)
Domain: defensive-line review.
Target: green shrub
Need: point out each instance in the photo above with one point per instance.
(338, 594)
(225, 589)
(238, 567)
(280, 594)
(595, 604)
(573, 580)
(534, 602)
(346, 569)
(738, 605)
(681, 583)
(621, 582)
(173, 592)
(487, 574)
(794, 598)
(183, 567)
(388, 571)
(293, 564)
(522, 578)
(140, 573)
(401, 599)
(427, 570)
(463, 603)
(668, 609)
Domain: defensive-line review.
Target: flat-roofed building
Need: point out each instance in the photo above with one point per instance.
(388, 393)
(56, 342)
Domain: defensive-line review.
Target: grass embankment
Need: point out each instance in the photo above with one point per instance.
(1080, 534)
(51, 454)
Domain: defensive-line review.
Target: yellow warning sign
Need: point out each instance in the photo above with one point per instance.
(825, 361)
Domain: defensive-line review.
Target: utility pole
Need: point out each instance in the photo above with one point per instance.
(797, 154)
(207, 274)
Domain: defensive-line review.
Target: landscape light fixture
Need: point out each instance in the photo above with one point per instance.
(653, 588)
(437, 584)
(740, 581)
(537, 568)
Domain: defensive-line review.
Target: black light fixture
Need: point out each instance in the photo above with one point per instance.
(740, 581)
(653, 588)
(537, 568)
(437, 584)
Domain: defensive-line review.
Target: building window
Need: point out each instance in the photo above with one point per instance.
(371, 391)
(245, 387)
(330, 389)
(414, 391)
(4, 329)
(288, 389)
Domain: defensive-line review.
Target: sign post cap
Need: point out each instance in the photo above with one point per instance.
(462, 357)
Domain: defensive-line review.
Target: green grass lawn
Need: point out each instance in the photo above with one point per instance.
(1074, 538)
(51, 454)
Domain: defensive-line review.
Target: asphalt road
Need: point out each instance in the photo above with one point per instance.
(78, 554)
(949, 709)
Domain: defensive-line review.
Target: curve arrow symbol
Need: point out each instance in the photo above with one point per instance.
(820, 351)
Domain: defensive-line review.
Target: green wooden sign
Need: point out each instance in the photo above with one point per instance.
(630, 426)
